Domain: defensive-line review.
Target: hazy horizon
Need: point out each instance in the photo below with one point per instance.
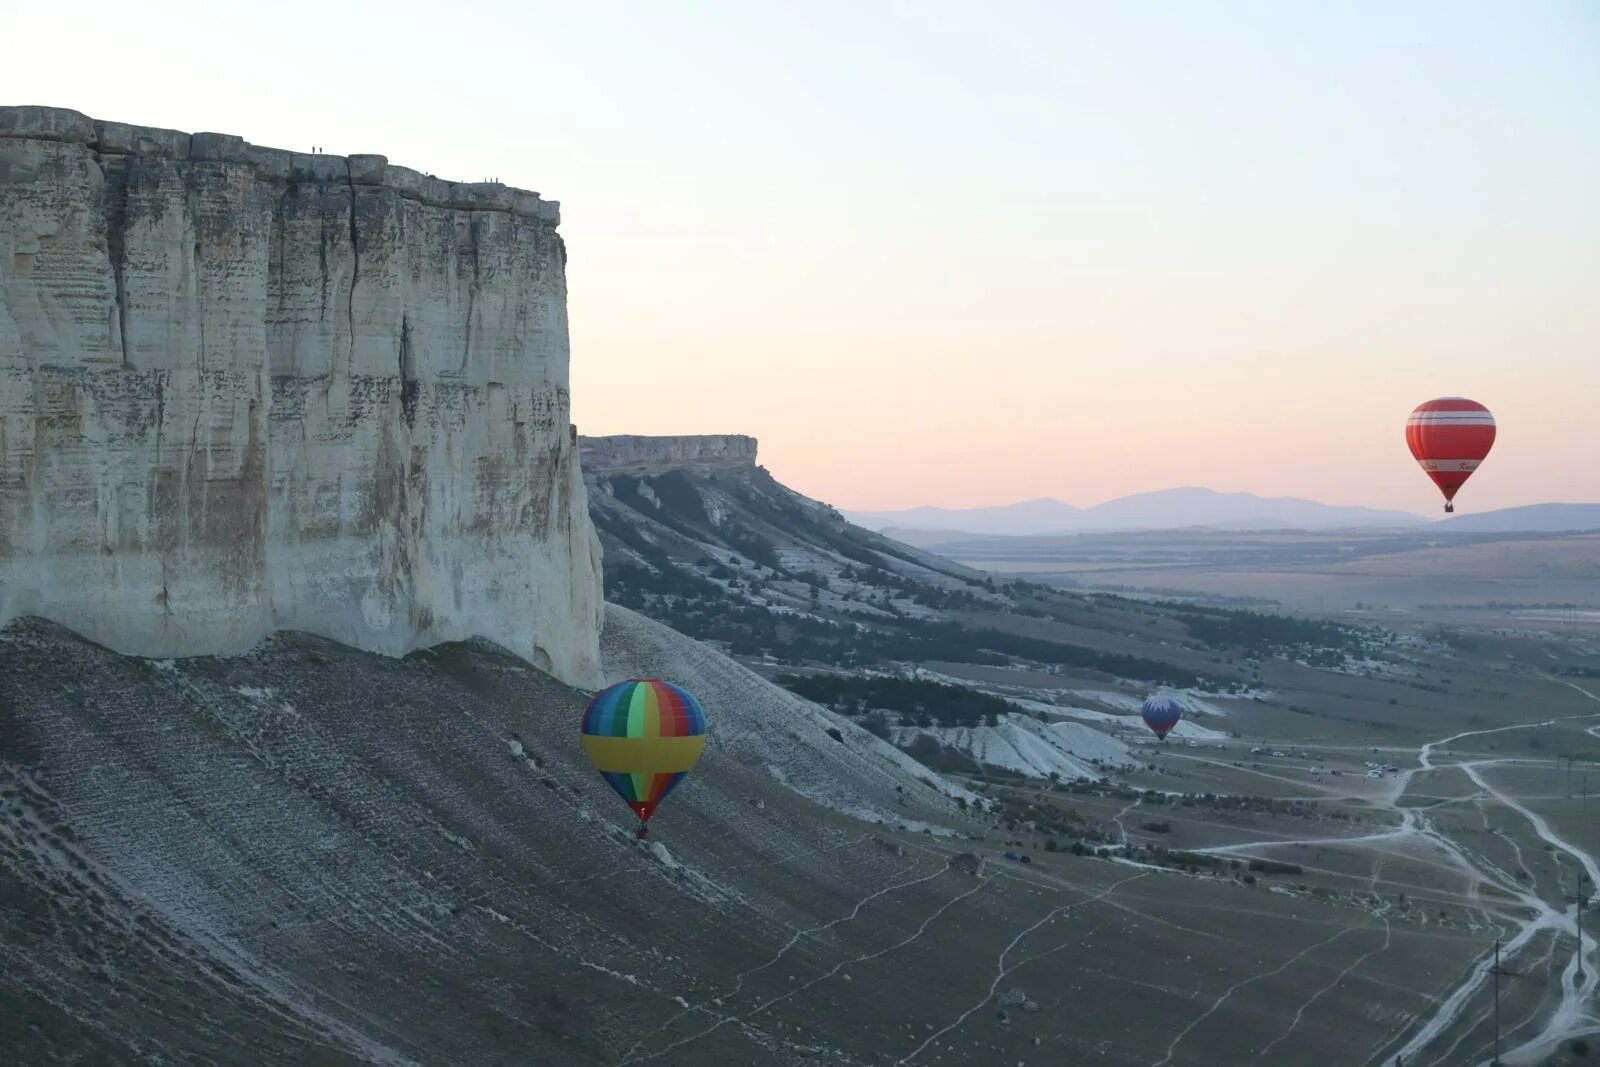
(1086, 505)
(1062, 251)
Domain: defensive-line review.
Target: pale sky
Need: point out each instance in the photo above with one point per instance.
(934, 254)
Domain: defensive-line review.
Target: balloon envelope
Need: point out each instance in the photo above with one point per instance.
(1449, 437)
(1161, 713)
(643, 736)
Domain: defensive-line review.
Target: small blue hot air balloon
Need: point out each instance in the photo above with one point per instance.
(1161, 713)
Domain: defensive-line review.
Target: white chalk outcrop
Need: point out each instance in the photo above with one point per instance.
(244, 389)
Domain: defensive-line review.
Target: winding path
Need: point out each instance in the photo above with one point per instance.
(1570, 1017)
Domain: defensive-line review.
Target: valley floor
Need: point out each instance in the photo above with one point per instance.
(312, 855)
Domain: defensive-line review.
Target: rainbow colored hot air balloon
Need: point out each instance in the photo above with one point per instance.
(1161, 713)
(643, 736)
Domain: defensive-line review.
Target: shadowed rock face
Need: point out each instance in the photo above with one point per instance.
(244, 389)
(310, 854)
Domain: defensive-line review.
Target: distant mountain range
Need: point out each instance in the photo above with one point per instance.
(1534, 518)
(1159, 510)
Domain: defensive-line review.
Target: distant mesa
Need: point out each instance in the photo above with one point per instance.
(641, 454)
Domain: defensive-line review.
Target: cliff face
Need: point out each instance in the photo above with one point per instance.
(637, 454)
(243, 389)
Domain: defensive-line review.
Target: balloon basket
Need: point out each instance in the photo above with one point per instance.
(642, 832)
(1449, 509)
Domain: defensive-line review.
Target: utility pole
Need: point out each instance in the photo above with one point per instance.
(1583, 902)
(1581, 899)
(1497, 971)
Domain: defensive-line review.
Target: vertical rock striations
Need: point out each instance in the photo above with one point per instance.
(244, 389)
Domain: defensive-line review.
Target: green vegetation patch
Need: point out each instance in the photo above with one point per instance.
(1261, 634)
(921, 703)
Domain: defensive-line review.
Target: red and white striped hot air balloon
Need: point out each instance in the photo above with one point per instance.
(1450, 437)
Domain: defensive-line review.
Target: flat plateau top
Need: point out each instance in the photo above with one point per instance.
(120, 138)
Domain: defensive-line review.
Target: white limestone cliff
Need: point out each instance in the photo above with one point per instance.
(244, 389)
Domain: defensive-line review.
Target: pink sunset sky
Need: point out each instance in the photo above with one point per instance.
(1086, 253)
(934, 254)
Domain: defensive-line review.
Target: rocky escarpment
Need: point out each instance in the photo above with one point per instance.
(244, 389)
(638, 454)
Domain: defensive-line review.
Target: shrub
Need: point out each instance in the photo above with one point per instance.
(877, 724)
(1274, 867)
